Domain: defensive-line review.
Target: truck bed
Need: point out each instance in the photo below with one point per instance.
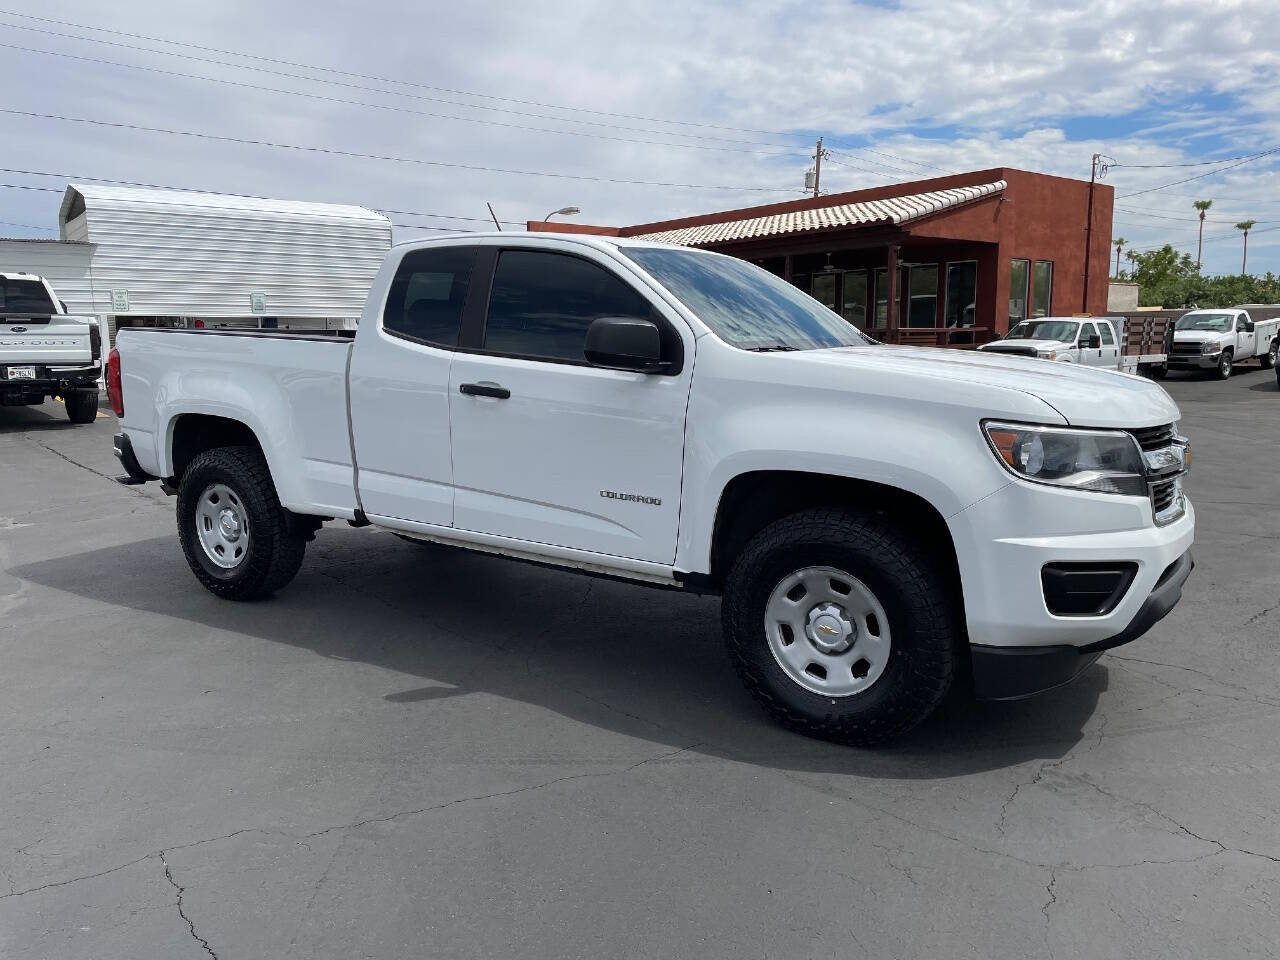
(290, 386)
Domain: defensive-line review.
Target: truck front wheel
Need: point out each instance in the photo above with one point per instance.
(236, 537)
(1223, 369)
(841, 626)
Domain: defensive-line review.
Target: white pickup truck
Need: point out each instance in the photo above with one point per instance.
(44, 352)
(1106, 342)
(1219, 339)
(881, 521)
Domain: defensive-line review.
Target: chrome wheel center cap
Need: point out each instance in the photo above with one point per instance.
(229, 524)
(829, 628)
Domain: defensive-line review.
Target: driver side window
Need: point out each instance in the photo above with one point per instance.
(1087, 332)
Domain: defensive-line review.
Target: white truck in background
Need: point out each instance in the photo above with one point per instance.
(1110, 343)
(1219, 339)
(44, 352)
(881, 521)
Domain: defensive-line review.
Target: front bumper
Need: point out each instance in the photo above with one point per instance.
(1010, 673)
(1194, 361)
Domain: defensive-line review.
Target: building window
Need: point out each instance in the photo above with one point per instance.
(1019, 271)
(1042, 288)
(922, 310)
(853, 298)
(882, 297)
(824, 289)
(961, 304)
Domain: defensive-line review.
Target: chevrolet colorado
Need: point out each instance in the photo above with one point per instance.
(880, 521)
(45, 353)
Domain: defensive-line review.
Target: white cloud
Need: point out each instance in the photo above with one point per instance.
(1010, 77)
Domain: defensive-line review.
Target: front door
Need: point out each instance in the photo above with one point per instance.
(1244, 338)
(551, 450)
(1109, 348)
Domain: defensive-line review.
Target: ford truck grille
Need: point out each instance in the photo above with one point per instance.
(1018, 351)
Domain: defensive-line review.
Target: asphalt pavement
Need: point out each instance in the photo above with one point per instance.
(418, 752)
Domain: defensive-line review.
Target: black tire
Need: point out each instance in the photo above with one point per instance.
(275, 549)
(1158, 371)
(914, 594)
(1223, 370)
(82, 405)
(1268, 359)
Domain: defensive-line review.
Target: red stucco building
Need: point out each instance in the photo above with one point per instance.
(949, 260)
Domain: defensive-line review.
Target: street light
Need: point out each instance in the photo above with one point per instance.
(562, 212)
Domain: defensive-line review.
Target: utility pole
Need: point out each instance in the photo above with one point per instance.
(817, 167)
(1097, 172)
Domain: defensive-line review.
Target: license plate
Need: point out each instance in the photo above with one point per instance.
(22, 373)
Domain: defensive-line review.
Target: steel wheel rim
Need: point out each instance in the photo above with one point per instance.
(827, 631)
(222, 526)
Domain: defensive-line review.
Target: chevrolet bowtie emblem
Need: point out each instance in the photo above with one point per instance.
(825, 629)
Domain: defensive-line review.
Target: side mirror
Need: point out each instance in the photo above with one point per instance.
(1093, 343)
(624, 343)
(1248, 326)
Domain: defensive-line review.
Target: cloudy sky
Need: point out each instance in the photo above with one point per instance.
(645, 110)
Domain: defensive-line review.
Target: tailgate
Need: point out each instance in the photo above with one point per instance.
(54, 341)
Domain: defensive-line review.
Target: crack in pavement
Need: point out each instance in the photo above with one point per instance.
(302, 838)
(1257, 697)
(168, 875)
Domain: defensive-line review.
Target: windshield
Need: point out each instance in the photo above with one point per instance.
(744, 305)
(1205, 321)
(25, 297)
(1064, 330)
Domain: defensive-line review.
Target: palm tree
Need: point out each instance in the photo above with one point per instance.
(1203, 206)
(1120, 242)
(1246, 226)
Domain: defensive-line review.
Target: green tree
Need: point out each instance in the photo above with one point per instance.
(1246, 226)
(1120, 242)
(1202, 206)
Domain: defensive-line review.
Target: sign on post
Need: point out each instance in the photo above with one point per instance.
(257, 303)
(119, 301)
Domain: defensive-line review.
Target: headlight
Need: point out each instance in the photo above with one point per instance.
(1209, 347)
(1105, 461)
(1047, 355)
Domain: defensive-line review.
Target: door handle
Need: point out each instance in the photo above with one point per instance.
(485, 390)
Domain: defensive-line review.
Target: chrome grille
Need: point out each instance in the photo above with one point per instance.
(1163, 494)
(1150, 438)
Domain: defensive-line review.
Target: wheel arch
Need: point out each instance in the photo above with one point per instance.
(752, 500)
(191, 434)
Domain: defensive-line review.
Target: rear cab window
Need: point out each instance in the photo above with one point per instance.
(428, 295)
(1104, 331)
(25, 297)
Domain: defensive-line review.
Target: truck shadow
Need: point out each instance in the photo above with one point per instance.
(50, 416)
(646, 663)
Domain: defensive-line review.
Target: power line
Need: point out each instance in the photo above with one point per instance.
(338, 152)
(1157, 216)
(1201, 176)
(394, 93)
(1194, 163)
(27, 226)
(382, 106)
(223, 193)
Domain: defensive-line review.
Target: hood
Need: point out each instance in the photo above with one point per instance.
(1084, 396)
(1197, 336)
(997, 346)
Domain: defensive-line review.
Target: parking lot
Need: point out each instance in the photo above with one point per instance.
(417, 752)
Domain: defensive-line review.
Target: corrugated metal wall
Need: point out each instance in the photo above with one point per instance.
(201, 255)
(67, 266)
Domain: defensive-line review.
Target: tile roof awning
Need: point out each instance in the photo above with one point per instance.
(891, 211)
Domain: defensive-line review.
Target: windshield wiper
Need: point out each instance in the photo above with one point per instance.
(773, 348)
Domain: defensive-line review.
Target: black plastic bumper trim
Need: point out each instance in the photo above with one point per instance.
(1011, 673)
(124, 453)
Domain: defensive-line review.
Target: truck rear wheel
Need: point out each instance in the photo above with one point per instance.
(1269, 358)
(236, 537)
(82, 405)
(840, 626)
